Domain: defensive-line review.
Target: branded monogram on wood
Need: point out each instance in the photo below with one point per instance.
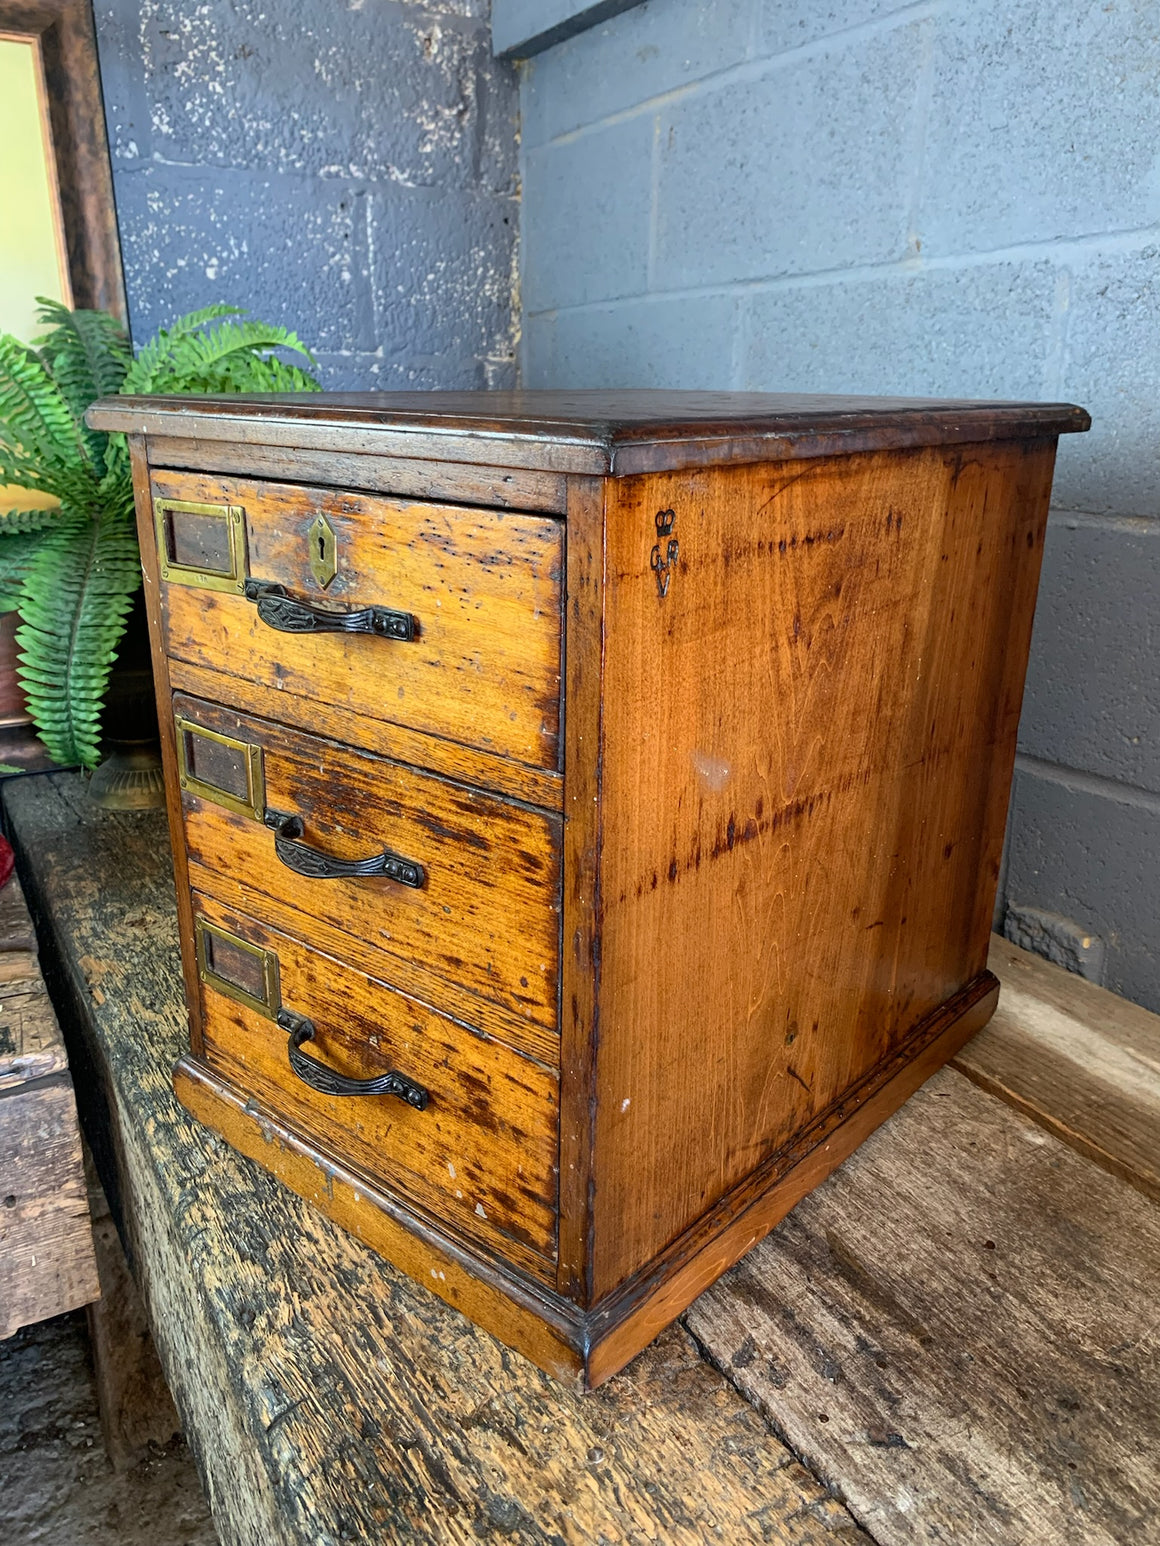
(662, 564)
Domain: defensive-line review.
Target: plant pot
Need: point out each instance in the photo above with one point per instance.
(131, 778)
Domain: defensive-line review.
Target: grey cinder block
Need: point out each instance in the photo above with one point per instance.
(1057, 939)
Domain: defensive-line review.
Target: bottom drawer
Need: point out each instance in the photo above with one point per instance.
(471, 1131)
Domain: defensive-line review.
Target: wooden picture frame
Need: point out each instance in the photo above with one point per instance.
(64, 31)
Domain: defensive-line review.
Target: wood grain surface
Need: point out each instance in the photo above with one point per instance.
(483, 586)
(163, 694)
(1077, 1059)
(502, 488)
(487, 914)
(483, 1153)
(30, 1043)
(47, 1265)
(465, 764)
(326, 1396)
(807, 743)
(959, 1331)
(586, 432)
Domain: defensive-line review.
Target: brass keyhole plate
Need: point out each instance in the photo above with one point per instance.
(323, 551)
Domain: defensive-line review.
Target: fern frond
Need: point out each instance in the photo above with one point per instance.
(16, 554)
(223, 358)
(87, 354)
(33, 410)
(74, 600)
(71, 481)
(143, 374)
(25, 520)
(254, 373)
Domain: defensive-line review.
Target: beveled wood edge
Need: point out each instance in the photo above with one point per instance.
(632, 458)
(579, 952)
(537, 453)
(151, 581)
(597, 449)
(496, 1297)
(477, 486)
(540, 788)
(627, 1320)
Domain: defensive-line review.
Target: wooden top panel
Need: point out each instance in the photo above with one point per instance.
(617, 432)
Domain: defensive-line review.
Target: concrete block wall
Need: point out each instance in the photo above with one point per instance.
(346, 169)
(956, 197)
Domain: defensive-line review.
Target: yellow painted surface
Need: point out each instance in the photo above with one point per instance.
(31, 251)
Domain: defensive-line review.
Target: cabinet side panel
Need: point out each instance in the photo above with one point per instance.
(580, 930)
(813, 676)
(151, 580)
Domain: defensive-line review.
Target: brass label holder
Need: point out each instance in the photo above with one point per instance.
(254, 802)
(271, 1000)
(230, 578)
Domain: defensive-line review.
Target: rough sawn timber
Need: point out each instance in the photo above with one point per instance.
(1078, 1060)
(327, 1397)
(47, 1264)
(959, 1331)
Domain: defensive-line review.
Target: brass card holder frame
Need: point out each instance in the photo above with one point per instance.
(254, 803)
(271, 1001)
(231, 579)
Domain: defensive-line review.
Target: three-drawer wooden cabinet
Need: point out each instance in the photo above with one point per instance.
(587, 807)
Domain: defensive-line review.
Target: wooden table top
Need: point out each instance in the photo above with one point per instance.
(952, 1339)
(618, 432)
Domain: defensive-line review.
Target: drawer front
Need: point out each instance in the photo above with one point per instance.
(458, 882)
(457, 611)
(471, 1133)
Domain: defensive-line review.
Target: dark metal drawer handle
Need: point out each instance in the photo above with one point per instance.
(327, 1082)
(282, 612)
(312, 862)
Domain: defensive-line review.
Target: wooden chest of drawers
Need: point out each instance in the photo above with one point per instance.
(587, 808)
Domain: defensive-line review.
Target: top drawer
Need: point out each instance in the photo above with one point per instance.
(464, 638)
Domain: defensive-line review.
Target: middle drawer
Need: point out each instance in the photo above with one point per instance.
(457, 882)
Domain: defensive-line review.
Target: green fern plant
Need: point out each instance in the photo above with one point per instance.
(72, 570)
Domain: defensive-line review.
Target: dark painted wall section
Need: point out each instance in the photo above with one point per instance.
(348, 170)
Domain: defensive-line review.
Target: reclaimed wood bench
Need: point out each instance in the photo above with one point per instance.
(953, 1339)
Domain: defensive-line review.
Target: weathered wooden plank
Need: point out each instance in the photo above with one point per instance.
(16, 931)
(46, 1248)
(327, 1397)
(958, 1330)
(30, 1044)
(1078, 1060)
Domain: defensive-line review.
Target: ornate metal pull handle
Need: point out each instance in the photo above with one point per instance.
(315, 864)
(328, 1082)
(279, 610)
